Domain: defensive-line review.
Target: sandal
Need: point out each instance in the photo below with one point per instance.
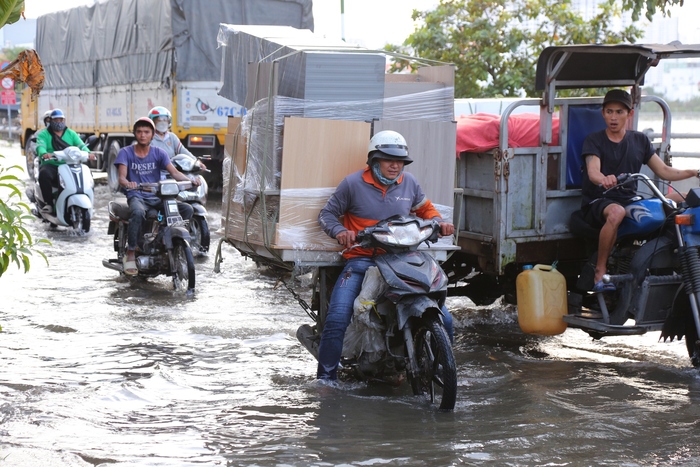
(601, 286)
(130, 268)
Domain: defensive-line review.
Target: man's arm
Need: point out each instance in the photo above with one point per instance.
(178, 146)
(73, 139)
(595, 175)
(666, 172)
(121, 168)
(329, 217)
(177, 175)
(42, 143)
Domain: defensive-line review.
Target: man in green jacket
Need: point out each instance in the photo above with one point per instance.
(57, 138)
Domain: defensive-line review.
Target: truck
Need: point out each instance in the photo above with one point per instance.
(108, 64)
(514, 194)
(514, 201)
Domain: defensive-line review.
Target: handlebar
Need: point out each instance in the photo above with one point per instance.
(624, 179)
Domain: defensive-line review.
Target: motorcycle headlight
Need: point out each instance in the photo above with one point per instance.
(404, 234)
(61, 182)
(169, 189)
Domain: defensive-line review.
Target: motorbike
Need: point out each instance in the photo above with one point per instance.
(197, 198)
(399, 330)
(163, 246)
(655, 266)
(73, 201)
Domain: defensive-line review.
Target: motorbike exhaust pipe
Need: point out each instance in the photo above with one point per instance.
(113, 264)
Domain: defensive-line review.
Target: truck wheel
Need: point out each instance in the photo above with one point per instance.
(112, 174)
(30, 154)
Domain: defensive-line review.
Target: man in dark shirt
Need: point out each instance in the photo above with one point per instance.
(609, 153)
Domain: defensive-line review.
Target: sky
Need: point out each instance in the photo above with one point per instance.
(367, 23)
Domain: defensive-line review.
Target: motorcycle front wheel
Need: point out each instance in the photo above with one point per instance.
(183, 271)
(437, 372)
(199, 234)
(79, 219)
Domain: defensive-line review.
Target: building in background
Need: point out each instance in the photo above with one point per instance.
(675, 80)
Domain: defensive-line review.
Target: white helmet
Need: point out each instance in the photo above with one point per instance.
(389, 145)
(47, 117)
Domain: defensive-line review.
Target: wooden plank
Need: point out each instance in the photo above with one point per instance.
(317, 155)
(432, 146)
(444, 74)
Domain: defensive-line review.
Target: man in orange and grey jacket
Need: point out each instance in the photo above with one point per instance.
(364, 198)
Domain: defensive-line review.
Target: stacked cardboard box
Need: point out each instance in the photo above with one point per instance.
(287, 155)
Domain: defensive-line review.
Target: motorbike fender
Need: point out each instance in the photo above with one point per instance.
(415, 306)
(175, 232)
(199, 210)
(82, 201)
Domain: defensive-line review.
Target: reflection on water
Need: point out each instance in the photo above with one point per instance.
(101, 370)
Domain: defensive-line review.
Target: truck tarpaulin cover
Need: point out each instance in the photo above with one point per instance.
(480, 132)
(127, 41)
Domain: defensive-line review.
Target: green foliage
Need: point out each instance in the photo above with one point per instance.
(494, 44)
(650, 7)
(10, 11)
(16, 243)
(11, 53)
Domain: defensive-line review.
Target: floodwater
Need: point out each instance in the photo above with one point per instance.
(96, 370)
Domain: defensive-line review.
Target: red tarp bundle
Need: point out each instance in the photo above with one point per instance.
(479, 132)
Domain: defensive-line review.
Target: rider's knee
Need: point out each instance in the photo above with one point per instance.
(614, 214)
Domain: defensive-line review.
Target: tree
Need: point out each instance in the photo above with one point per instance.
(11, 53)
(16, 243)
(494, 44)
(651, 6)
(11, 11)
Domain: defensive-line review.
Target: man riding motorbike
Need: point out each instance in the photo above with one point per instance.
(142, 163)
(57, 137)
(166, 139)
(607, 154)
(363, 198)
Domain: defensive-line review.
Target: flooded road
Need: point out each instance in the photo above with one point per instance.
(99, 371)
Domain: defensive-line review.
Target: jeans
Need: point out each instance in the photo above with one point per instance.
(139, 207)
(340, 311)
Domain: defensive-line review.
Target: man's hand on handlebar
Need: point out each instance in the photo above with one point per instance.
(346, 238)
(446, 229)
(609, 181)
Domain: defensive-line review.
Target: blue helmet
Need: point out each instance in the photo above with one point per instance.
(57, 113)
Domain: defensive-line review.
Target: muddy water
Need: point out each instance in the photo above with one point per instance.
(96, 370)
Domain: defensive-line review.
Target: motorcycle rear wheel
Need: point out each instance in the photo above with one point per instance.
(437, 371)
(199, 234)
(183, 261)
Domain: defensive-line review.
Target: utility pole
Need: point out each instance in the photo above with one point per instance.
(342, 20)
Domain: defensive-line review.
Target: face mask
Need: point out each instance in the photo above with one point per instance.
(376, 170)
(162, 127)
(58, 126)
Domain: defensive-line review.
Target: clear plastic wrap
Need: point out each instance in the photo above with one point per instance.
(364, 334)
(271, 69)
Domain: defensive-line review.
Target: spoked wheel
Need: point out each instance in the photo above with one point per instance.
(199, 234)
(437, 372)
(183, 267)
(30, 154)
(79, 219)
(111, 169)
